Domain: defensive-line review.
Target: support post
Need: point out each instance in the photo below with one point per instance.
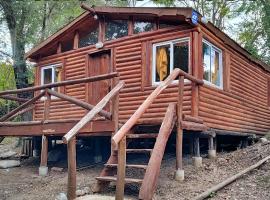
(179, 175)
(71, 193)
(121, 170)
(43, 169)
(211, 150)
(197, 158)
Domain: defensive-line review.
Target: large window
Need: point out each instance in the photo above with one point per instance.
(212, 64)
(89, 38)
(143, 26)
(115, 29)
(168, 56)
(51, 74)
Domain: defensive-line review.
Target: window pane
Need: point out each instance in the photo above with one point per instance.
(89, 39)
(47, 78)
(140, 27)
(206, 62)
(162, 62)
(181, 55)
(116, 29)
(215, 76)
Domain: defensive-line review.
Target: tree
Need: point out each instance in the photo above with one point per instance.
(254, 30)
(30, 22)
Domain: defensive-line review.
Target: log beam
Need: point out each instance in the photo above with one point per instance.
(79, 103)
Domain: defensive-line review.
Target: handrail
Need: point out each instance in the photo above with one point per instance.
(90, 115)
(62, 83)
(145, 105)
(78, 102)
(24, 105)
(152, 172)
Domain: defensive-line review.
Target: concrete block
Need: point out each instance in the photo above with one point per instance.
(197, 161)
(212, 154)
(179, 175)
(43, 171)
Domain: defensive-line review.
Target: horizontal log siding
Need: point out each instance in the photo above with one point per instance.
(59, 109)
(244, 108)
(128, 62)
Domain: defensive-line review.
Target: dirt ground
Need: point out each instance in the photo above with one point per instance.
(24, 183)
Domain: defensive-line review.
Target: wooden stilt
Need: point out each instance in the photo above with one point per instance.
(211, 143)
(197, 147)
(179, 136)
(71, 193)
(197, 156)
(211, 149)
(121, 170)
(44, 152)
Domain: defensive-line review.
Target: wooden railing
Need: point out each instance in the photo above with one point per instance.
(70, 138)
(118, 140)
(152, 172)
(145, 105)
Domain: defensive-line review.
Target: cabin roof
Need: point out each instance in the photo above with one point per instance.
(180, 13)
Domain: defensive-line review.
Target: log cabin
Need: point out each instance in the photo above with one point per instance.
(140, 67)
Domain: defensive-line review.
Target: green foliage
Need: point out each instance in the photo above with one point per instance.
(7, 79)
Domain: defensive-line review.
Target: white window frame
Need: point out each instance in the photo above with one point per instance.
(220, 65)
(171, 43)
(53, 67)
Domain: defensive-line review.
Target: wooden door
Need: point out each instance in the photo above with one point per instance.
(99, 63)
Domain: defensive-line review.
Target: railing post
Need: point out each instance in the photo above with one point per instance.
(43, 169)
(71, 147)
(179, 175)
(121, 170)
(115, 108)
(194, 99)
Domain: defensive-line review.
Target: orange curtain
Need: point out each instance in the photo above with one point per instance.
(215, 73)
(162, 63)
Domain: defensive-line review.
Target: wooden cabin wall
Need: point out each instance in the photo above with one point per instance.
(132, 63)
(242, 105)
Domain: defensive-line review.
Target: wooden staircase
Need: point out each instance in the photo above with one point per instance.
(151, 169)
(115, 169)
(138, 166)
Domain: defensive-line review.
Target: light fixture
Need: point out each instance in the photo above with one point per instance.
(95, 17)
(99, 45)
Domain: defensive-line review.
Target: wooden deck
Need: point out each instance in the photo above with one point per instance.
(55, 128)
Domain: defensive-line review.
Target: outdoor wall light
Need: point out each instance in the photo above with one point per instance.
(99, 45)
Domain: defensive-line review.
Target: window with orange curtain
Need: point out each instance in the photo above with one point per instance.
(212, 64)
(168, 56)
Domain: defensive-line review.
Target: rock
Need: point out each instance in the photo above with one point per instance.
(80, 193)
(263, 140)
(57, 169)
(7, 154)
(4, 164)
(61, 196)
(87, 190)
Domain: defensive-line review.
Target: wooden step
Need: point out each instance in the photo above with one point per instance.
(129, 166)
(139, 150)
(114, 179)
(142, 135)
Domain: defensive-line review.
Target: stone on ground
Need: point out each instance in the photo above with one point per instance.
(7, 154)
(4, 164)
